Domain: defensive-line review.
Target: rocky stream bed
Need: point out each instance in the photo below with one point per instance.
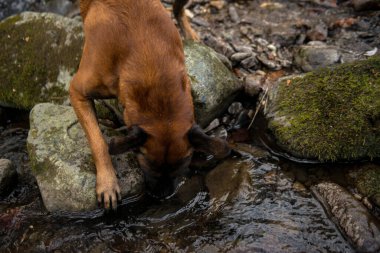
(305, 172)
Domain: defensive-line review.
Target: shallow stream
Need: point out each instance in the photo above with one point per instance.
(253, 202)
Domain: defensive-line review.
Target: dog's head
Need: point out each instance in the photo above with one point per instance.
(165, 157)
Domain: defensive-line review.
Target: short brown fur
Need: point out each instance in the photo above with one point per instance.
(133, 52)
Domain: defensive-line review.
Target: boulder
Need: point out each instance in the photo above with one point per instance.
(62, 163)
(213, 85)
(7, 175)
(329, 114)
(40, 53)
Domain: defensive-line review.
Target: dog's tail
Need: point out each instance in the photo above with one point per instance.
(179, 14)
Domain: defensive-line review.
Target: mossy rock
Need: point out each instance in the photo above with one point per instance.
(330, 114)
(367, 181)
(40, 54)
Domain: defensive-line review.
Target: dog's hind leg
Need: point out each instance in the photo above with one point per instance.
(183, 22)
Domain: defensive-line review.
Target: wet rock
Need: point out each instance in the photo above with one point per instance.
(316, 55)
(319, 116)
(62, 163)
(235, 108)
(8, 175)
(255, 151)
(243, 120)
(229, 180)
(214, 124)
(366, 5)
(219, 132)
(268, 63)
(250, 62)
(218, 45)
(213, 85)
(367, 181)
(238, 57)
(253, 84)
(40, 53)
(350, 215)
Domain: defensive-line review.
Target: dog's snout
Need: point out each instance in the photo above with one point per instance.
(159, 187)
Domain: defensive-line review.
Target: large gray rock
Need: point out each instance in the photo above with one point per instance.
(39, 55)
(7, 175)
(62, 163)
(350, 215)
(213, 85)
(329, 114)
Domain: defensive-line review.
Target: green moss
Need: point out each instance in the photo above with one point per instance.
(368, 182)
(32, 55)
(334, 112)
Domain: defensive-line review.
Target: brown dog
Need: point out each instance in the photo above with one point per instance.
(134, 52)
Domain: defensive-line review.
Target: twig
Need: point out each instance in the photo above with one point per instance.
(259, 107)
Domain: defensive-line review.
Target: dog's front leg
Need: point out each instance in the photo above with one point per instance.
(107, 188)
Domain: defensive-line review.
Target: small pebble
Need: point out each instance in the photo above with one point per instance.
(253, 84)
(233, 14)
(235, 108)
(226, 119)
(214, 124)
(238, 57)
(219, 4)
(243, 49)
(367, 203)
(249, 62)
(242, 120)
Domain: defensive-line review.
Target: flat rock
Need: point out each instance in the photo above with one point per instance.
(350, 215)
(62, 163)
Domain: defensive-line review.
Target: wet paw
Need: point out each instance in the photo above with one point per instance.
(107, 191)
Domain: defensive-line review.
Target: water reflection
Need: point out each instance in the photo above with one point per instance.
(246, 204)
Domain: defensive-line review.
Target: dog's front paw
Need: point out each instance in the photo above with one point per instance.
(107, 190)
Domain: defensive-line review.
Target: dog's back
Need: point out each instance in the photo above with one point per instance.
(136, 51)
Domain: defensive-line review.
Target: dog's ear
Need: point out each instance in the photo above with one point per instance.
(202, 142)
(135, 138)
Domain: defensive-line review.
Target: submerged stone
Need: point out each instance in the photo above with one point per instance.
(329, 114)
(350, 215)
(62, 163)
(230, 179)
